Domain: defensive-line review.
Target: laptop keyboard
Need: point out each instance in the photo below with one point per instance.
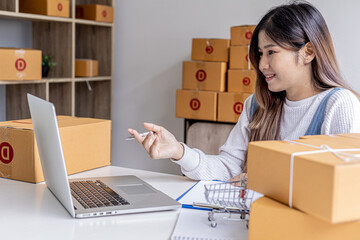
(95, 194)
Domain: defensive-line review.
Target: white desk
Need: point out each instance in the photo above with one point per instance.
(30, 211)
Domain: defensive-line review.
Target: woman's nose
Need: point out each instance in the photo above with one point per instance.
(263, 64)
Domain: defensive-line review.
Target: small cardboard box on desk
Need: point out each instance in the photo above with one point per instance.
(324, 182)
(20, 64)
(57, 8)
(270, 219)
(86, 145)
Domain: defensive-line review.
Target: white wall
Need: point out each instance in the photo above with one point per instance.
(153, 38)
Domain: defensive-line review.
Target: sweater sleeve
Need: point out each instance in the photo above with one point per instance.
(197, 165)
(342, 114)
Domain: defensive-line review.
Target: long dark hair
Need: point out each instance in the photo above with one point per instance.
(291, 26)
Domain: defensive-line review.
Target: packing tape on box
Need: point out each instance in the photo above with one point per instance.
(340, 153)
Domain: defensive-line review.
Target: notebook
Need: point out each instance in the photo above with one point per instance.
(108, 195)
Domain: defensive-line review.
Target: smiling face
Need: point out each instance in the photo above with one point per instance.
(285, 70)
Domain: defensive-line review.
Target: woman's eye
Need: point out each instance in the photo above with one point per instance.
(271, 52)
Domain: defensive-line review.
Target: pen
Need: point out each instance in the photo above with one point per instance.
(141, 134)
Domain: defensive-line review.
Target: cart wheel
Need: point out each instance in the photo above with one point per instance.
(242, 216)
(213, 224)
(247, 225)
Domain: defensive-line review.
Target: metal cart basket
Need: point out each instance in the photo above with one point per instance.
(232, 198)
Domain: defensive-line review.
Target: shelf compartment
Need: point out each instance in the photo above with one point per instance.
(94, 103)
(95, 42)
(55, 39)
(16, 100)
(60, 96)
(7, 5)
(101, 2)
(101, 78)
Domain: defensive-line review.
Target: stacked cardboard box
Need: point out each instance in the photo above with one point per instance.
(241, 79)
(318, 175)
(203, 78)
(95, 12)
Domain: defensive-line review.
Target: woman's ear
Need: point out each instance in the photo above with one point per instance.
(308, 53)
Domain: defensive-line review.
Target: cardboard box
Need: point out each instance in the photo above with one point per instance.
(210, 49)
(270, 219)
(208, 76)
(20, 64)
(96, 12)
(324, 185)
(86, 145)
(239, 58)
(196, 104)
(241, 80)
(57, 8)
(230, 106)
(241, 35)
(86, 68)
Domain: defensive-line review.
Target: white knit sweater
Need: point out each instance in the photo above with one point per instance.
(342, 115)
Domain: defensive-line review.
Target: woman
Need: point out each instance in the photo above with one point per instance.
(299, 91)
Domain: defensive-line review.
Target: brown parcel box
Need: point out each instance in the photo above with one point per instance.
(208, 76)
(324, 185)
(58, 8)
(241, 35)
(230, 106)
(86, 68)
(239, 57)
(196, 104)
(270, 219)
(96, 12)
(216, 50)
(241, 80)
(86, 145)
(20, 64)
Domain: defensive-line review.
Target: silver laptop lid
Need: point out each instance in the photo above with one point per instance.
(50, 150)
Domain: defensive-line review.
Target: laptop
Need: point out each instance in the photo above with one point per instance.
(88, 197)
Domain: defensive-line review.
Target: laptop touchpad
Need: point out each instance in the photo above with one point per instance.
(135, 189)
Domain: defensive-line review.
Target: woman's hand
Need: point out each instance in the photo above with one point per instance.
(159, 143)
(238, 179)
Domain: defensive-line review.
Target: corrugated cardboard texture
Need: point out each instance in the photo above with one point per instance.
(196, 104)
(270, 219)
(58, 8)
(86, 145)
(208, 76)
(241, 35)
(86, 68)
(324, 185)
(96, 12)
(239, 58)
(241, 80)
(210, 49)
(230, 106)
(20, 64)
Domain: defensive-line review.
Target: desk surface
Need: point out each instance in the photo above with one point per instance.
(30, 211)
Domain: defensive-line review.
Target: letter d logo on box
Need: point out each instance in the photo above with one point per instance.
(6, 153)
(195, 104)
(20, 64)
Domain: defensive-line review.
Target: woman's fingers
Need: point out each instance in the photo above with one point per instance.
(137, 136)
(152, 127)
(148, 141)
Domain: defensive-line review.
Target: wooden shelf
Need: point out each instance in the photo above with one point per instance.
(65, 39)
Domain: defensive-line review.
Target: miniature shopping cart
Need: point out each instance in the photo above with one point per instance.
(232, 198)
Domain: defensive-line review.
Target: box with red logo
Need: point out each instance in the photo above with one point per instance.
(86, 68)
(20, 64)
(230, 106)
(241, 35)
(216, 50)
(239, 57)
(58, 8)
(241, 80)
(86, 145)
(270, 219)
(208, 76)
(96, 12)
(193, 104)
